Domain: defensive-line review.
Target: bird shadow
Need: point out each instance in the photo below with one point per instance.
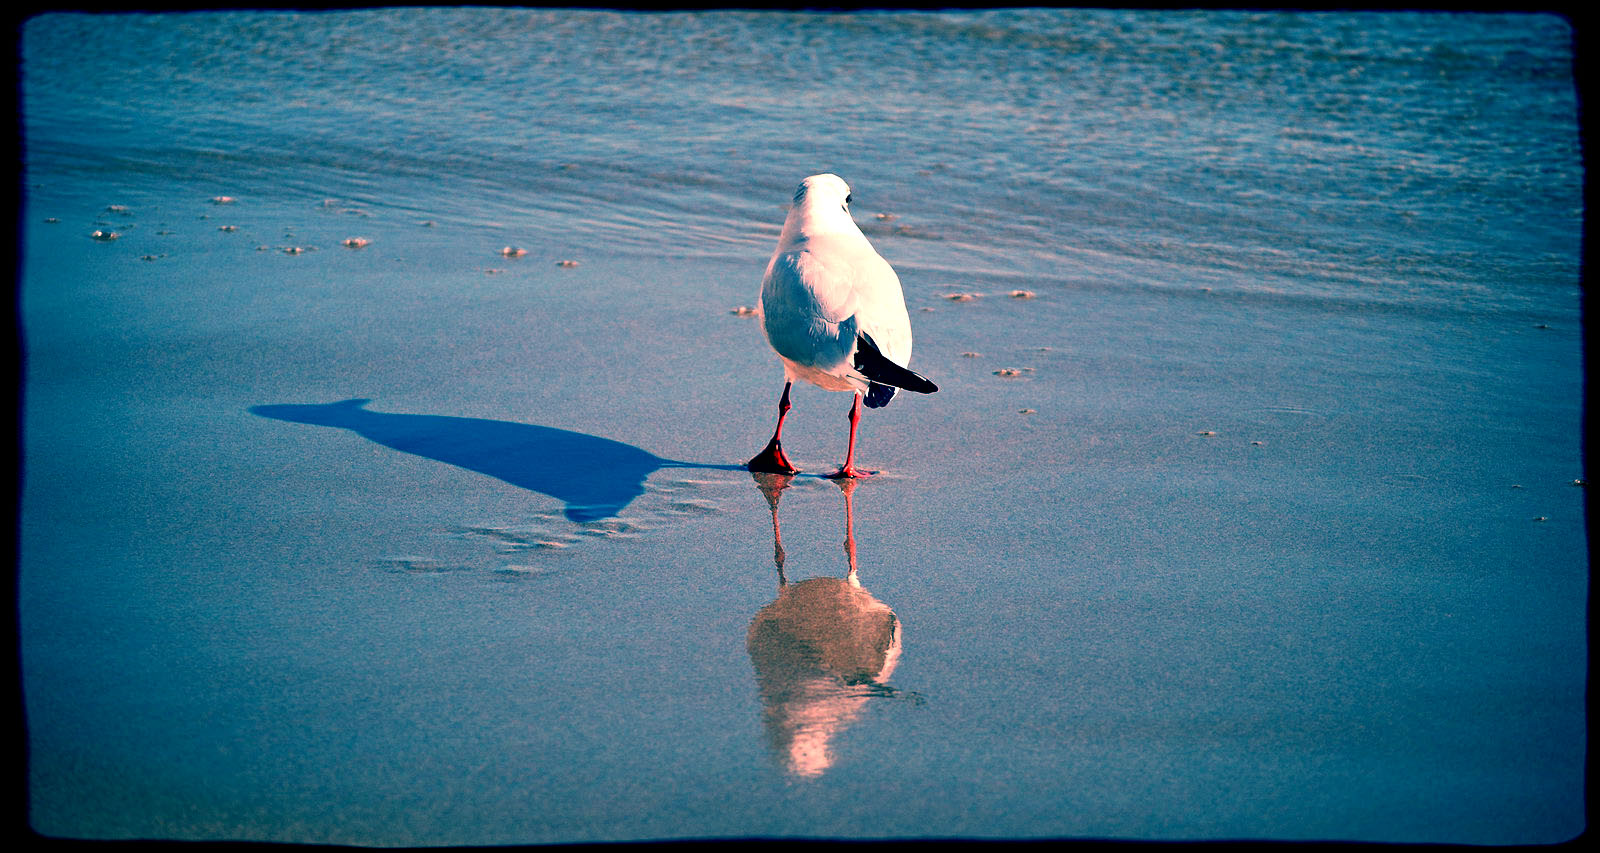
(594, 477)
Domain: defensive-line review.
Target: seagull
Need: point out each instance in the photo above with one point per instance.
(832, 309)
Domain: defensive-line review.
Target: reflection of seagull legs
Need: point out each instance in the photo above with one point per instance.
(848, 486)
(772, 486)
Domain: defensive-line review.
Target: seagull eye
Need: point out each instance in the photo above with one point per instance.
(847, 198)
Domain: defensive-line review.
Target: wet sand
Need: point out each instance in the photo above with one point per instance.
(1153, 563)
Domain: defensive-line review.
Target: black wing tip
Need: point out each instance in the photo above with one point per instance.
(880, 371)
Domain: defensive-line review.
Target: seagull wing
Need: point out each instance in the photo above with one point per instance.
(808, 308)
(880, 306)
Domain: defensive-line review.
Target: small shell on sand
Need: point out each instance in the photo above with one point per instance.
(884, 217)
(1023, 294)
(150, 257)
(1008, 371)
(743, 311)
(355, 242)
(229, 228)
(1027, 411)
(970, 355)
(513, 252)
(223, 199)
(1256, 443)
(1205, 432)
(1541, 518)
(493, 271)
(294, 250)
(52, 220)
(961, 297)
(1580, 482)
(105, 236)
(568, 264)
(116, 208)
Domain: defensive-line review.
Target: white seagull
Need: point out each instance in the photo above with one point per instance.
(833, 311)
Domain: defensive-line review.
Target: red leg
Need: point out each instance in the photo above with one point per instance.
(850, 469)
(772, 460)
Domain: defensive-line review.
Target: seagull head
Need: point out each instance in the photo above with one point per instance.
(823, 189)
(821, 204)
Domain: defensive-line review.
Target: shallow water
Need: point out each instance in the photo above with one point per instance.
(1256, 521)
(1352, 156)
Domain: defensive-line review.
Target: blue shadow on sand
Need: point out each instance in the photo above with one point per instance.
(595, 477)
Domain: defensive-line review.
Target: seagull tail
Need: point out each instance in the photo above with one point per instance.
(884, 375)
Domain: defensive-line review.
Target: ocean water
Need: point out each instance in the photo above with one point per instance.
(1270, 531)
(1396, 158)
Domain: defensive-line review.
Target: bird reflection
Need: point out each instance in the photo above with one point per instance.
(820, 651)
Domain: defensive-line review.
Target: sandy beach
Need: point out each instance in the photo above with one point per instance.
(418, 543)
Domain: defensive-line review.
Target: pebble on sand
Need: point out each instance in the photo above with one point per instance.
(743, 311)
(1023, 294)
(513, 252)
(223, 199)
(355, 242)
(568, 264)
(961, 297)
(104, 236)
